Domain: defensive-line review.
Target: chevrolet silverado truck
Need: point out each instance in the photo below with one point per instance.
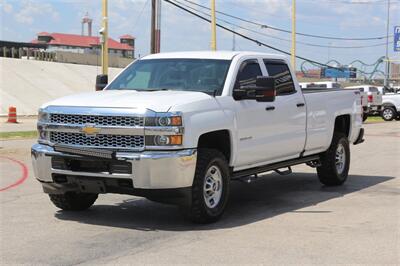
(179, 127)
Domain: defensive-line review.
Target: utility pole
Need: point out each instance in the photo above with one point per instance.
(213, 27)
(293, 50)
(155, 34)
(104, 39)
(386, 80)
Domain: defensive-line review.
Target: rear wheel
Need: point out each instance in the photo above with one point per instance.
(335, 162)
(72, 201)
(210, 188)
(388, 113)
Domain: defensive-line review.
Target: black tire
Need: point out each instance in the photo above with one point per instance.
(328, 172)
(388, 113)
(198, 211)
(365, 116)
(72, 201)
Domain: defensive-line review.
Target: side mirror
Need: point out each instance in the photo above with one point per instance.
(262, 90)
(101, 82)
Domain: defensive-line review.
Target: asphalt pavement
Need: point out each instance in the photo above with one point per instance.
(276, 220)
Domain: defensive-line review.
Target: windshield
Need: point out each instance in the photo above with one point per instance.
(203, 75)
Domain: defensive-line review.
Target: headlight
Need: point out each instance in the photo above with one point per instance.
(164, 140)
(43, 116)
(43, 134)
(164, 121)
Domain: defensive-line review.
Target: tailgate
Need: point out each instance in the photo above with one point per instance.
(377, 99)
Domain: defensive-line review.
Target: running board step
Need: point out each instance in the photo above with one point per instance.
(286, 172)
(274, 166)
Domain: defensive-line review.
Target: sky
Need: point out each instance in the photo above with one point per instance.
(21, 20)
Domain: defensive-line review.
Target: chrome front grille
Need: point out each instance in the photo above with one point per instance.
(99, 120)
(101, 140)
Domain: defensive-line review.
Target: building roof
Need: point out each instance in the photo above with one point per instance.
(82, 41)
(127, 36)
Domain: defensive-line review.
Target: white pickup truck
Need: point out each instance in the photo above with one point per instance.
(374, 97)
(179, 127)
(390, 104)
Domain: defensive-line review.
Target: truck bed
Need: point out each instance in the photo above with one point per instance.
(323, 105)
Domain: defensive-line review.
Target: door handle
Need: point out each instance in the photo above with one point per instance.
(300, 104)
(270, 108)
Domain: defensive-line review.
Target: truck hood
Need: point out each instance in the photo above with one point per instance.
(158, 101)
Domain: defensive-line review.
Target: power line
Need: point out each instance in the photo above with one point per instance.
(140, 14)
(282, 39)
(288, 31)
(245, 36)
(378, 2)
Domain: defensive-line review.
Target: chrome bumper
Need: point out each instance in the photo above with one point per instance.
(150, 169)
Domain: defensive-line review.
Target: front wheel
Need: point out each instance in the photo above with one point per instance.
(72, 201)
(210, 190)
(335, 162)
(388, 113)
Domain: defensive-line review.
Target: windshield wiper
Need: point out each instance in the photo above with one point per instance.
(160, 89)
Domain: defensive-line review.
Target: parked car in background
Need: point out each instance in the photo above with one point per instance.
(396, 89)
(374, 98)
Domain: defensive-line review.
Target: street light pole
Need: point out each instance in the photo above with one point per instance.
(104, 39)
(213, 27)
(386, 80)
(293, 50)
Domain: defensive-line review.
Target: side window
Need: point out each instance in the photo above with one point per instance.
(248, 73)
(283, 79)
(373, 89)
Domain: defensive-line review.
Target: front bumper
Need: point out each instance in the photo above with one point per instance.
(150, 169)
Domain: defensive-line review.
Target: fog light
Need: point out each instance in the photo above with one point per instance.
(161, 140)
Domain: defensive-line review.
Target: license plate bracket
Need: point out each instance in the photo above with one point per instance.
(91, 186)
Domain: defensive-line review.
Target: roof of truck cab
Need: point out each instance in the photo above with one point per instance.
(223, 55)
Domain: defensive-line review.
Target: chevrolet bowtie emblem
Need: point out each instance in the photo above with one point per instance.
(90, 130)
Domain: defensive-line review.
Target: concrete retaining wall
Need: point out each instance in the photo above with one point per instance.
(27, 84)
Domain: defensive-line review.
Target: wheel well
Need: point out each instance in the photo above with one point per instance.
(219, 140)
(388, 105)
(342, 124)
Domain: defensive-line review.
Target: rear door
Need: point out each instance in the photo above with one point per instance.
(290, 112)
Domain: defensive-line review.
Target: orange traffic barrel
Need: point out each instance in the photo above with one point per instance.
(12, 114)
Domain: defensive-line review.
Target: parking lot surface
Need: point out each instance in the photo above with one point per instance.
(275, 220)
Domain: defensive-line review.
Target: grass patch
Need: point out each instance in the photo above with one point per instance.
(19, 135)
(374, 119)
